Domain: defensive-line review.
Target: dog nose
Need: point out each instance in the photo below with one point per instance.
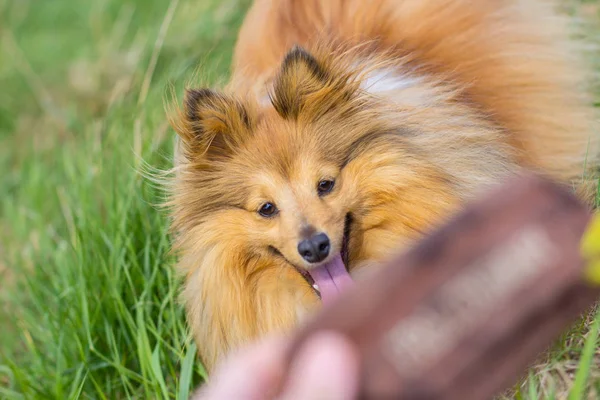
(314, 249)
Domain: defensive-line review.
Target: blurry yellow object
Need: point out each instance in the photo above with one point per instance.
(590, 250)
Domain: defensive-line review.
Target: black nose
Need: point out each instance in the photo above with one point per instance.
(314, 249)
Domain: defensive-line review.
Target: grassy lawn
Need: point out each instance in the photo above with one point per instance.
(88, 301)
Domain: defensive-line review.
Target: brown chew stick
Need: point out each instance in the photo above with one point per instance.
(462, 313)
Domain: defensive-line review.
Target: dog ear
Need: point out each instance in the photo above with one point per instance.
(300, 75)
(214, 124)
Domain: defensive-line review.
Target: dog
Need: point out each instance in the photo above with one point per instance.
(348, 130)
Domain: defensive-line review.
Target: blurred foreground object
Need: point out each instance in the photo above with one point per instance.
(465, 311)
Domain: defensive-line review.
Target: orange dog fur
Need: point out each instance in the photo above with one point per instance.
(408, 108)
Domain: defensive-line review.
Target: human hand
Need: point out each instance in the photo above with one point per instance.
(326, 368)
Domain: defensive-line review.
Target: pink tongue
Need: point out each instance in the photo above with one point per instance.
(331, 278)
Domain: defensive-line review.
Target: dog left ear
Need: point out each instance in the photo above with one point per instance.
(213, 123)
(300, 75)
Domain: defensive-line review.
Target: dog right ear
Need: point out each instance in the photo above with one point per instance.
(212, 123)
(305, 83)
(300, 75)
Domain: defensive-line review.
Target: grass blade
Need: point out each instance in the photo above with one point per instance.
(581, 378)
(185, 377)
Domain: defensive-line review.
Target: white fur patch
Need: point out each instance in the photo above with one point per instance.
(387, 80)
(264, 101)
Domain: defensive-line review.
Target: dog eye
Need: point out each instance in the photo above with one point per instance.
(325, 186)
(267, 210)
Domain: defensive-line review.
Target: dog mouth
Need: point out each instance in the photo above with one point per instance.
(344, 254)
(330, 278)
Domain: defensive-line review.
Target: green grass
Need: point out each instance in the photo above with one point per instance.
(88, 299)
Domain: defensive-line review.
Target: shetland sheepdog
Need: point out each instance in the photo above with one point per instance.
(350, 128)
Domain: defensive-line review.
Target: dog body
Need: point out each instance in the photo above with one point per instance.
(348, 129)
